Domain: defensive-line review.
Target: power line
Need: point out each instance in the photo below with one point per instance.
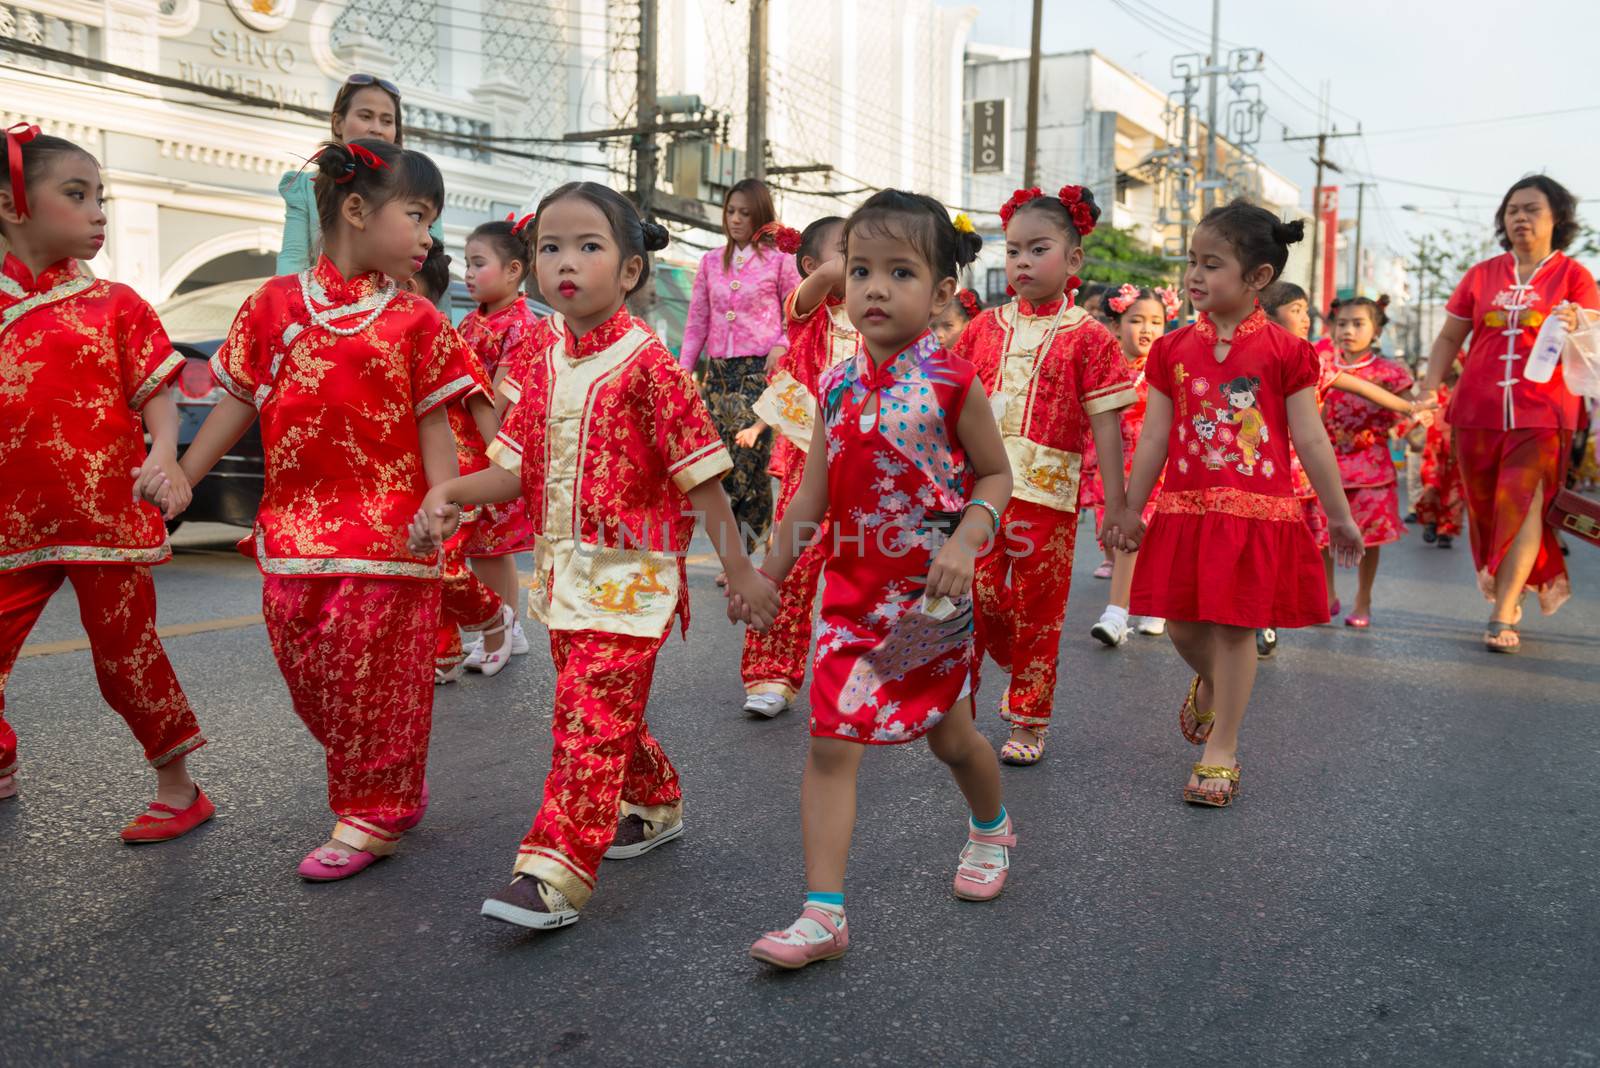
(1526, 116)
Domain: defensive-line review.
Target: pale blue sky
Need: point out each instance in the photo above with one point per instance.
(1405, 68)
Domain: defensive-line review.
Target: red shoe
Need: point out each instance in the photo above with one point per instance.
(1359, 622)
(147, 828)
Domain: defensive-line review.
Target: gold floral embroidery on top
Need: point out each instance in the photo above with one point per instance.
(1226, 500)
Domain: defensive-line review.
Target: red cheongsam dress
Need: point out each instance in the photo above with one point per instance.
(1229, 543)
(886, 671)
(1360, 432)
(609, 435)
(79, 359)
(340, 372)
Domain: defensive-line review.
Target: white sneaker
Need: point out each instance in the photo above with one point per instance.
(1111, 629)
(445, 678)
(1152, 625)
(519, 640)
(765, 704)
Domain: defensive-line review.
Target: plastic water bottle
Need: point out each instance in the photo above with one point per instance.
(1546, 354)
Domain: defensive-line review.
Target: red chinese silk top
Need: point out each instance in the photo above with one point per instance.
(1229, 445)
(491, 335)
(609, 436)
(79, 358)
(818, 340)
(1505, 316)
(339, 401)
(1360, 429)
(471, 450)
(1046, 370)
(523, 344)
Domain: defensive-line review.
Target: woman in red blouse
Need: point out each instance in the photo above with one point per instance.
(1513, 437)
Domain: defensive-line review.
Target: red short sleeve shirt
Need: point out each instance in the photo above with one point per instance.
(339, 397)
(1505, 316)
(79, 359)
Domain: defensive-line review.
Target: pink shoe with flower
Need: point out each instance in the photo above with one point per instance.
(325, 864)
(985, 859)
(819, 934)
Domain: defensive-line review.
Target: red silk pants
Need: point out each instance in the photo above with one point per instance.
(117, 603)
(465, 602)
(605, 760)
(775, 662)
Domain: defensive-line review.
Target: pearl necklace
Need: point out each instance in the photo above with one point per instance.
(324, 319)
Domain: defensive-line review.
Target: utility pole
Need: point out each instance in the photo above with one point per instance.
(1030, 167)
(756, 141)
(1213, 68)
(644, 155)
(1322, 161)
(1355, 261)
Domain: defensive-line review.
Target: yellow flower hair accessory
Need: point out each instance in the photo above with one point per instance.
(964, 224)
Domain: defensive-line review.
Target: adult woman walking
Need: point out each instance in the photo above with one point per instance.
(1513, 437)
(736, 320)
(365, 106)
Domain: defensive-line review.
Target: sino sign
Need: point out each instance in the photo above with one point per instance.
(989, 137)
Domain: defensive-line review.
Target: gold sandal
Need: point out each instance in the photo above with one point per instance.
(1198, 795)
(1191, 719)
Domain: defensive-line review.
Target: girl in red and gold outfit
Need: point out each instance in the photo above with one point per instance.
(84, 366)
(351, 378)
(1139, 317)
(1228, 549)
(614, 452)
(1360, 432)
(821, 336)
(1054, 377)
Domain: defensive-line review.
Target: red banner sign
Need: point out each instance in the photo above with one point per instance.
(1328, 219)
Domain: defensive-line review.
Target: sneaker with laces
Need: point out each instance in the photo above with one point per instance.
(519, 640)
(531, 902)
(766, 705)
(636, 836)
(985, 859)
(1111, 628)
(819, 934)
(1152, 625)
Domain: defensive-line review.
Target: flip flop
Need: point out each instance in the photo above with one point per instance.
(1497, 628)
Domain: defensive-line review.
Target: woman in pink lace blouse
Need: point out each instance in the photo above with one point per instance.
(736, 321)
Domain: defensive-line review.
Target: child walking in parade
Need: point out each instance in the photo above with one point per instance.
(1054, 376)
(351, 379)
(1140, 316)
(85, 367)
(1440, 507)
(614, 453)
(1360, 432)
(820, 337)
(950, 324)
(909, 469)
(1228, 549)
(466, 603)
(498, 264)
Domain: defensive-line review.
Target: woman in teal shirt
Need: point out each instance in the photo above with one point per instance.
(366, 106)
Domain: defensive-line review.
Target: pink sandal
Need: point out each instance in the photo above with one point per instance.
(985, 859)
(327, 865)
(815, 936)
(8, 787)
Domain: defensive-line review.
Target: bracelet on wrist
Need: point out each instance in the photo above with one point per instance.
(979, 502)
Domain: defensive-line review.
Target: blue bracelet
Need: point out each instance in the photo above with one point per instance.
(979, 502)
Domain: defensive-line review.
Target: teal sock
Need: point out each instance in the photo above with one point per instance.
(990, 828)
(832, 901)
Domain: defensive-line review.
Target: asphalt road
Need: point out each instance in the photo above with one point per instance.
(1410, 876)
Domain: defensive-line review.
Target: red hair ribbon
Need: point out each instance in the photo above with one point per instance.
(786, 238)
(1071, 197)
(969, 303)
(16, 137)
(367, 156)
(519, 225)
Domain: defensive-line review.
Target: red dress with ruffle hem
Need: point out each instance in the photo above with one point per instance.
(1228, 543)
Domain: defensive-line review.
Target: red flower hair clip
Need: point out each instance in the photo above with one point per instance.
(16, 137)
(1075, 198)
(1123, 299)
(1018, 198)
(969, 303)
(519, 225)
(786, 238)
(367, 156)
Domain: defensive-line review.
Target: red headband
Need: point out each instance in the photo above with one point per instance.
(1071, 197)
(786, 238)
(519, 225)
(16, 137)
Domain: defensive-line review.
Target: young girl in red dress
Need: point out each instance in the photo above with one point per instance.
(499, 260)
(950, 324)
(614, 452)
(465, 602)
(351, 379)
(1056, 379)
(84, 369)
(1228, 549)
(820, 337)
(1140, 316)
(1360, 433)
(909, 469)
(1440, 507)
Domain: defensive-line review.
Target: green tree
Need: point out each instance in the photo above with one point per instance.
(1113, 255)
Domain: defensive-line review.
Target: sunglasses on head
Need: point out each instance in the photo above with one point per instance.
(372, 79)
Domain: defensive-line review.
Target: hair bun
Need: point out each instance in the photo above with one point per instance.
(1287, 233)
(1383, 300)
(656, 237)
(968, 247)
